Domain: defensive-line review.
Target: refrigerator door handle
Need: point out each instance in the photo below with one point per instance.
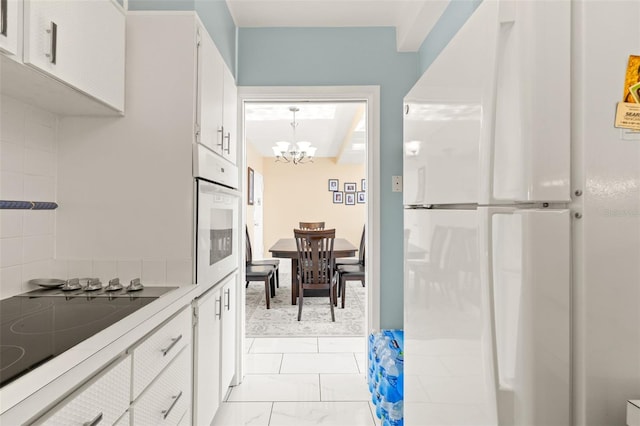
(504, 392)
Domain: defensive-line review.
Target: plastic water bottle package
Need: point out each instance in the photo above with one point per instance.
(386, 375)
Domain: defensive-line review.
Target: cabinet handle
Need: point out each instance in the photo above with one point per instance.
(221, 144)
(227, 295)
(228, 138)
(93, 422)
(165, 413)
(54, 42)
(3, 23)
(218, 307)
(173, 343)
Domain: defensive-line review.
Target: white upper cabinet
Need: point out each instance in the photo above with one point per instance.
(217, 120)
(10, 25)
(210, 93)
(81, 42)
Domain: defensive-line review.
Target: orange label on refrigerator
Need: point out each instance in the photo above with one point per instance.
(631, 80)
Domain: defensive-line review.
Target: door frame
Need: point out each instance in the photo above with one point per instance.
(370, 95)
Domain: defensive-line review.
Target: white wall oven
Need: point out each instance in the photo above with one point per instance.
(217, 221)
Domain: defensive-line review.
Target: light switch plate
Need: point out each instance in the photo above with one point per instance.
(396, 183)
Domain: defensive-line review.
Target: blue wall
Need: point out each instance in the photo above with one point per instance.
(346, 56)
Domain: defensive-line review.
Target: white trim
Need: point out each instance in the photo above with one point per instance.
(370, 94)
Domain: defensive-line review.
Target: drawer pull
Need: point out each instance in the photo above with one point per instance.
(165, 413)
(227, 303)
(93, 422)
(173, 343)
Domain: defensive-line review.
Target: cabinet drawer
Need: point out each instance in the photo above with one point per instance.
(168, 398)
(157, 350)
(101, 401)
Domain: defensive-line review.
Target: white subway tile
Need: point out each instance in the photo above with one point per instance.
(11, 186)
(11, 223)
(128, 270)
(40, 269)
(39, 188)
(10, 252)
(40, 130)
(105, 270)
(60, 269)
(11, 157)
(179, 272)
(154, 271)
(37, 248)
(10, 281)
(39, 222)
(79, 268)
(12, 117)
(39, 162)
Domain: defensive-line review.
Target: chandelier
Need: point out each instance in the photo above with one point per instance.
(300, 152)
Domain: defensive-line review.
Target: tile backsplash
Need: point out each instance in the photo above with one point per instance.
(28, 171)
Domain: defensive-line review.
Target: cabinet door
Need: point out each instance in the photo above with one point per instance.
(79, 42)
(209, 129)
(10, 25)
(103, 401)
(228, 345)
(230, 116)
(206, 357)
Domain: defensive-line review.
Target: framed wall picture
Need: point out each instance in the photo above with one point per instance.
(363, 185)
(350, 187)
(350, 198)
(361, 197)
(333, 184)
(250, 186)
(337, 197)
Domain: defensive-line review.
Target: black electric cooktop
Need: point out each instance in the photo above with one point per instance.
(41, 324)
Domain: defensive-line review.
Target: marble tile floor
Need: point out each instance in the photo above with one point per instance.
(301, 381)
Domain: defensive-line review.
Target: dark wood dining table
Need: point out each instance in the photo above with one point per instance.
(286, 248)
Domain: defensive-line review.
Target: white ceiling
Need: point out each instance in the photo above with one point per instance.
(337, 130)
(413, 19)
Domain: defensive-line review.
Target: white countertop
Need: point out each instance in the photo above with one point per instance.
(41, 389)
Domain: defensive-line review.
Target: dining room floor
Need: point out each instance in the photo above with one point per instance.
(298, 381)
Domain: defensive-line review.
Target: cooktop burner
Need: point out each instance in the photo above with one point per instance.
(41, 324)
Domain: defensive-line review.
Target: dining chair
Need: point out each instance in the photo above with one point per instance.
(316, 264)
(311, 226)
(350, 269)
(265, 274)
(354, 260)
(274, 263)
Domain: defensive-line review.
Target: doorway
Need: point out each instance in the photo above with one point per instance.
(368, 97)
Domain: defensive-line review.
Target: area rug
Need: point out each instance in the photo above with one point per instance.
(282, 318)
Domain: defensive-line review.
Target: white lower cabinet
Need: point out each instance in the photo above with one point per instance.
(167, 400)
(101, 401)
(214, 355)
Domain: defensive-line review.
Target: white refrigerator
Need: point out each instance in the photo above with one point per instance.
(516, 184)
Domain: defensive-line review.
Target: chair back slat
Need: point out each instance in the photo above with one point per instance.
(361, 255)
(311, 226)
(248, 251)
(316, 260)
